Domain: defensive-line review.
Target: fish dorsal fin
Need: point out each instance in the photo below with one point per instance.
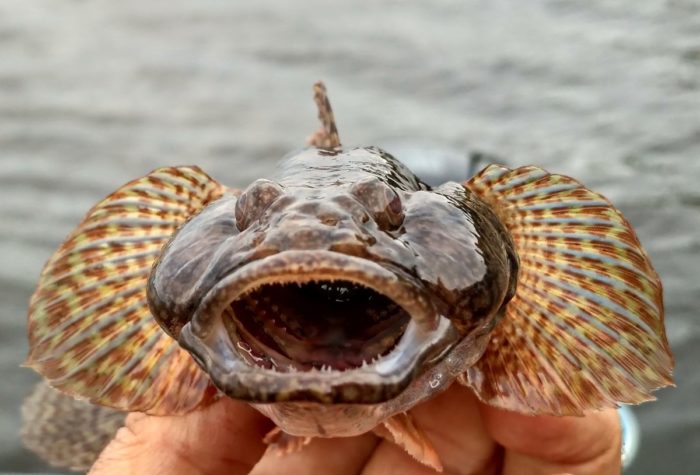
(326, 137)
(585, 329)
(91, 334)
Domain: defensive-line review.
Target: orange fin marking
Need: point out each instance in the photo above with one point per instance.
(401, 430)
(585, 329)
(91, 334)
(281, 443)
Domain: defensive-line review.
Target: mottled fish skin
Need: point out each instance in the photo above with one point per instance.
(324, 217)
(344, 291)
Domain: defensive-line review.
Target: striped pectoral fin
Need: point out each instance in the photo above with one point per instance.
(91, 334)
(585, 329)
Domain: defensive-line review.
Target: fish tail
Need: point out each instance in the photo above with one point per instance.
(585, 329)
(64, 431)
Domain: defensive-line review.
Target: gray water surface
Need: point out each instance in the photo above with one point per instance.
(94, 93)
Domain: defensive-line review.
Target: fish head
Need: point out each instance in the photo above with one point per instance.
(343, 283)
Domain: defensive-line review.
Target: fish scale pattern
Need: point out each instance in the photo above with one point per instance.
(66, 432)
(91, 334)
(585, 329)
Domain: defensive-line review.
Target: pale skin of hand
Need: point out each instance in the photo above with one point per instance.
(471, 438)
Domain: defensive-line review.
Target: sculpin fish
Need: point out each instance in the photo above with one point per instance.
(344, 291)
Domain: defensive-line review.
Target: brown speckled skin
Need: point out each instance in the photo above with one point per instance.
(359, 215)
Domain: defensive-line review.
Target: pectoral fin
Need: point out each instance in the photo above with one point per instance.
(401, 430)
(91, 334)
(282, 443)
(585, 329)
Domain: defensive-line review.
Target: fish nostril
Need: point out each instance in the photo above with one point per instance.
(367, 239)
(329, 220)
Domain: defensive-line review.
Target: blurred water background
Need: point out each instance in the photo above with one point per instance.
(94, 93)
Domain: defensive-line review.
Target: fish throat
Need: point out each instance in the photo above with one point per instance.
(324, 324)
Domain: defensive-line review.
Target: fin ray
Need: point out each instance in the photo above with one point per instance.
(595, 276)
(91, 333)
(402, 431)
(585, 327)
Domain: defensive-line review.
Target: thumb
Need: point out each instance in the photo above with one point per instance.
(225, 437)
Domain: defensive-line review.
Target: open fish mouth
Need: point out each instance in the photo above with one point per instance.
(316, 326)
(330, 325)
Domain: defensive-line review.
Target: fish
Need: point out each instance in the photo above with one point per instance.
(344, 291)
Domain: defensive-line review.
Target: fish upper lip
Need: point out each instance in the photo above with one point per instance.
(427, 334)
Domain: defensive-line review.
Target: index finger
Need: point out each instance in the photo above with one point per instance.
(224, 438)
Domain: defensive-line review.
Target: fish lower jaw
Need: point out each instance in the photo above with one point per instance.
(380, 379)
(317, 326)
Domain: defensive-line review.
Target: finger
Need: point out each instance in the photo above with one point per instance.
(547, 444)
(225, 438)
(452, 422)
(341, 456)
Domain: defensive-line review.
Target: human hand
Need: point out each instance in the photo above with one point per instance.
(470, 438)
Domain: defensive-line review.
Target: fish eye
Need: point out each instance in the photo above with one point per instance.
(253, 202)
(382, 201)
